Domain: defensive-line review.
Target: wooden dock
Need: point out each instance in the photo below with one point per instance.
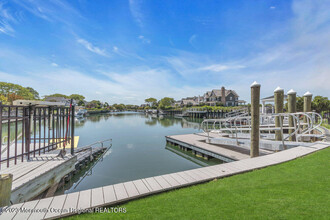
(198, 143)
(72, 203)
(33, 177)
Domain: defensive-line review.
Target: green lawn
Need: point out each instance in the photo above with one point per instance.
(299, 189)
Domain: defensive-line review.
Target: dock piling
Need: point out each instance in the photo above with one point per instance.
(292, 109)
(5, 189)
(255, 119)
(307, 105)
(279, 100)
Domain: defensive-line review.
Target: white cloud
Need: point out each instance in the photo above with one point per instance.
(272, 7)
(136, 11)
(192, 40)
(89, 46)
(144, 40)
(5, 21)
(54, 64)
(220, 67)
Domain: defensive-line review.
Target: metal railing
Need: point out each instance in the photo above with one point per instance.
(303, 124)
(27, 131)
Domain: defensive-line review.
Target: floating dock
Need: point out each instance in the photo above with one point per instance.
(198, 144)
(87, 200)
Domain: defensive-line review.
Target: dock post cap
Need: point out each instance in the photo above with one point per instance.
(278, 89)
(308, 94)
(291, 92)
(255, 84)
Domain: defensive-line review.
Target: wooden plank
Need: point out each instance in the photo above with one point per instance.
(178, 178)
(56, 206)
(85, 198)
(170, 180)
(141, 187)
(70, 204)
(162, 182)
(203, 176)
(97, 197)
(187, 177)
(11, 211)
(131, 189)
(154, 185)
(26, 211)
(120, 191)
(109, 194)
(223, 171)
(42, 205)
(209, 172)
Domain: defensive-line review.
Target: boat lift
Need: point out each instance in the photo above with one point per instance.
(235, 130)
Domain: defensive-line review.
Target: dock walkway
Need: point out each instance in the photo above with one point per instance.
(72, 203)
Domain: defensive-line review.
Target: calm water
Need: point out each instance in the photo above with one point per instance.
(138, 148)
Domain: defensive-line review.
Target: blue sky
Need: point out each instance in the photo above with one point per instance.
(125, 51)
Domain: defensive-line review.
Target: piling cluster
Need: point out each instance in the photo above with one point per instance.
(279, 106)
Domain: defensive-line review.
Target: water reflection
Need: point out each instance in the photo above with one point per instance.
(139, 147)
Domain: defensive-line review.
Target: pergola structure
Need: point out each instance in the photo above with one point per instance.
(269, 99)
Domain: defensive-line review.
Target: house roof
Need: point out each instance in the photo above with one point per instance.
(231, 91)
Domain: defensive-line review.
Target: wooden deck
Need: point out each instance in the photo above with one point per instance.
(69, 204)
(30, 178)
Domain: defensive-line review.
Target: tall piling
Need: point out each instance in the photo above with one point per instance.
(279, 102)
(307, 105)
(5, 189)
(255, 119)
(292, 108)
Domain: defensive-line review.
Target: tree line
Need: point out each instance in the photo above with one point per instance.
(10, 92)
(319, 104)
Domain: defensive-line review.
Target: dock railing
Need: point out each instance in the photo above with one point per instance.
(27, 131)
(242, 124)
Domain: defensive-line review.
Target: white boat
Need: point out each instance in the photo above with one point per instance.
(81, 113)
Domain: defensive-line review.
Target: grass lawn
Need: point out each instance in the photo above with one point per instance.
(298, 189)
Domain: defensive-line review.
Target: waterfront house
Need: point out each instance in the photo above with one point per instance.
(227, 97)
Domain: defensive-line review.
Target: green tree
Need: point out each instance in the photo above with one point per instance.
(57, 95)
(300, 104)
(152, 102)
(320, 104)
(77, 97)
(34, 92)
(15, 91)
(94, 104)
(166, 102)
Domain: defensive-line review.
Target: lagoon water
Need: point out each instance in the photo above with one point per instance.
(138, 148)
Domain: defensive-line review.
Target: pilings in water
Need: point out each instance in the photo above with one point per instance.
(6, 181)
(255, 119)
(292, 108)
(279, 102)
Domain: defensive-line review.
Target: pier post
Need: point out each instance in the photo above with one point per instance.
(307, 105)
(5, 189)
(292, 109)
(255, 119)
(72, 129)
(279, 100)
